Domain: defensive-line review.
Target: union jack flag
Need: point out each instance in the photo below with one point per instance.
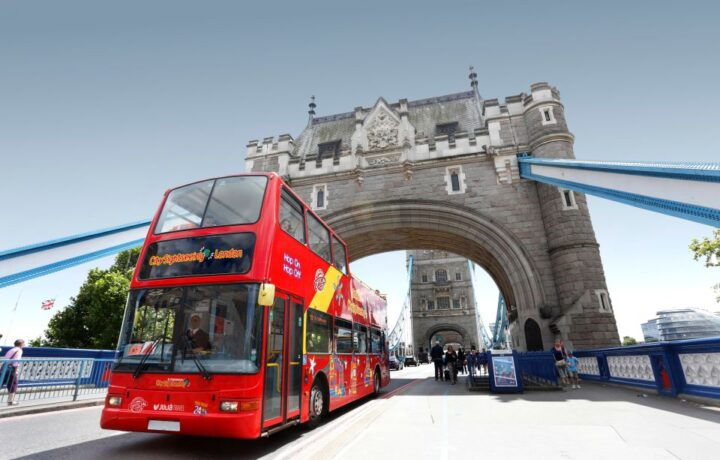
(48, 304)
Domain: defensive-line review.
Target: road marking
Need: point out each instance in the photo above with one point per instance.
(54, 412)
(445, 428)
(329, 431)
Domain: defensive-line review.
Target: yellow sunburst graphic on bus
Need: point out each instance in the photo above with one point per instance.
(325, 290)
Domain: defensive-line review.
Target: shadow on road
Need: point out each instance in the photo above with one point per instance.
(156, 446)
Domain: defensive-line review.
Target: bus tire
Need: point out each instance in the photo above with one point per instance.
(318, 403)
(376, 382)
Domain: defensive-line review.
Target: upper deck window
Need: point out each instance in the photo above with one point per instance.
(339, 255)
(291, 216)
(212, 203)
(319, 238)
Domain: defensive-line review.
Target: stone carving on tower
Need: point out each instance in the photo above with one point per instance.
(382, 131)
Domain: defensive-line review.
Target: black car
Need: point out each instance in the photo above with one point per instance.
(396, 364)
(411, 361)
(423, 357)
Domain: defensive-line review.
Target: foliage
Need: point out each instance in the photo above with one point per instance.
(627, 340)
(708, 249)
(94, 316)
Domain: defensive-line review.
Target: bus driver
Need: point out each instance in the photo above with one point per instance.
(198, 338)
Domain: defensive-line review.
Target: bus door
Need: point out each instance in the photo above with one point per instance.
(283, 361)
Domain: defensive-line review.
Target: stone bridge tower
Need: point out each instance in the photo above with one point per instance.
(443, 300)
(442, 173)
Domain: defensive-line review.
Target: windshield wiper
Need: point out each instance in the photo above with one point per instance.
(203, 371)
(138, 370)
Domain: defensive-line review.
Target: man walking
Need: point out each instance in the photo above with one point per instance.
(436, 354)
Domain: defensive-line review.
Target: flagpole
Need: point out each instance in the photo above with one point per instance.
(12, 317)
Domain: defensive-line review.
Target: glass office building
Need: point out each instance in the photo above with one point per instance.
(681, 324)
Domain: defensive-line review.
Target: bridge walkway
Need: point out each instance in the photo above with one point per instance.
(426, 420)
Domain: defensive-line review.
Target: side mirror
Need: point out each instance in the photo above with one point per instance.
(266, 296)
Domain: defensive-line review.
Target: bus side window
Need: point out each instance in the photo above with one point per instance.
(339, 259)
(343, 336)
(319, 332)
(375, 342)
(291, 216)
(359, 339)
(319, 238)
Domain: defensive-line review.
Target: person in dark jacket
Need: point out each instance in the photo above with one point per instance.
(452, 358)
(436, 354)
(461, 360)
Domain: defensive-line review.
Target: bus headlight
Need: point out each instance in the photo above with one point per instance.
(114, 401)
(229, 406)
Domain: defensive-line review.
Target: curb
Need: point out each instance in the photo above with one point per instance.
(50, 408)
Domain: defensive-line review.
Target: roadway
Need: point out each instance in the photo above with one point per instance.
(416, 418)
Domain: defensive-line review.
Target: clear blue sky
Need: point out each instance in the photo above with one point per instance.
(104, 105)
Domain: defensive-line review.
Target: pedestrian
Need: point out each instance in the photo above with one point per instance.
(482, 361)
(558, 352)
(471, 360)
(436, 354)
(572, 369)
(461, 360)
(452, 360)
(11, 370)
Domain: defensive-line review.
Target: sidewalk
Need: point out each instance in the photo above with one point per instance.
(37, 406)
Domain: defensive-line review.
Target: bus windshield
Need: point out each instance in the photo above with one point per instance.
(221, 325)
(212, 203)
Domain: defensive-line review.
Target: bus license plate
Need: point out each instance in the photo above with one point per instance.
(163, 425)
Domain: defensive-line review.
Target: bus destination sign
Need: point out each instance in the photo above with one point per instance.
(201, 255)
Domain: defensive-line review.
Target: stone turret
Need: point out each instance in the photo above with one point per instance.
(582, 297)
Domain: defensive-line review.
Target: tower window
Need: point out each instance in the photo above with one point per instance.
(319, 197)
(547, 116)
(455, 181)
(604, 300)
(568, 199)
(458, 276)
(441, 275)
(456, 303)
(424, 277)
(443, 303)
(448, 129)
(328, 150)
(431, 305)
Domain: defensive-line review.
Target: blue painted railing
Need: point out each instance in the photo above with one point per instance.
(537, 367)
(56, 379)
(688, 367)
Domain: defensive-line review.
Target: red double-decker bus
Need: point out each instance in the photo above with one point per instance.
(243, 317)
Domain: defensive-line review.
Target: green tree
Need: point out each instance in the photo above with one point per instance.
(627, 340)
(94, 316)
(709, 250)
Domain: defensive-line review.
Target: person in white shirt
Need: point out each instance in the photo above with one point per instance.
(12, 358)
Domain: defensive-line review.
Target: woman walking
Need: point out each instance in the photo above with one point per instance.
(451, 358)
(11, 370)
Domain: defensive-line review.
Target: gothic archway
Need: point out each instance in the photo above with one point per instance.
(533, 335)
(393, 225)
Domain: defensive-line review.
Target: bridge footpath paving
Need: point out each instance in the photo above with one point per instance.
(434, 420)
(422, 420)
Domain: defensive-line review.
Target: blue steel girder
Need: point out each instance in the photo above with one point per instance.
(28, 262)
(689, 191)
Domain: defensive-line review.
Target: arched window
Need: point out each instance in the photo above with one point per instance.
(441, 275)
(533, 336)
(320, 199)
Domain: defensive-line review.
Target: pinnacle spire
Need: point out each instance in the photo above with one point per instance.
(473, 80)
(311, 112)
